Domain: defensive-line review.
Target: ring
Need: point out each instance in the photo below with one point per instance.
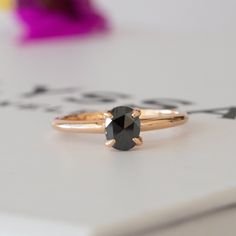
(121, 125)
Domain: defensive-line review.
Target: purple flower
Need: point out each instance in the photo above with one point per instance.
(48, 18)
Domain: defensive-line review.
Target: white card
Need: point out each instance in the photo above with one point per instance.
(71, 184)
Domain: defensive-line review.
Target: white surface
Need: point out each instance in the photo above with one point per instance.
(217, 225)
(74, 179)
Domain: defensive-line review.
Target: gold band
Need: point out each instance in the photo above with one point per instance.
(94, 122)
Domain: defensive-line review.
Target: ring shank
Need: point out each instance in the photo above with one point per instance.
(94, 122)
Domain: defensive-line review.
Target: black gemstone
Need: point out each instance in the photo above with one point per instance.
(122, 127)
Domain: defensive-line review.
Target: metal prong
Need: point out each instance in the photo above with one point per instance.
(136, 113)
(138, 141)
(110, 143)
(108, 114)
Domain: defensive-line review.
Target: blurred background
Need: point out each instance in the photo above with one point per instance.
(121, 46)
(184, 15)
(170, 15)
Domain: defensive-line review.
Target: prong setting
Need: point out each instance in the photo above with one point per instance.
(110, 143)
(138, 141)
(122, 127)
(108, 114)
(136, 113)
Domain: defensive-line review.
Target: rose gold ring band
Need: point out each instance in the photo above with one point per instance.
(94, 122)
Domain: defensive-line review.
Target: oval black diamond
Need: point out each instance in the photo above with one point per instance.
(122, 127)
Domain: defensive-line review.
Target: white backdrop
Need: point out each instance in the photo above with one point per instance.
(172, 15)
